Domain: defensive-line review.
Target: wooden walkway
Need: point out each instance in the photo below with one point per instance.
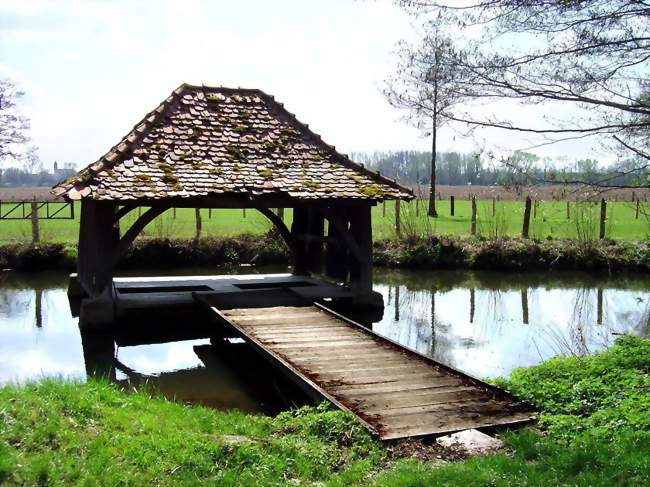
(395, 391)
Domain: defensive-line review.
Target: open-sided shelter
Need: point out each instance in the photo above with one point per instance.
(215, 147)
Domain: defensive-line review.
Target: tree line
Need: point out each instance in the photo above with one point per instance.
(459, 169)
(16, 177)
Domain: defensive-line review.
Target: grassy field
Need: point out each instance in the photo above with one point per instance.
(549, 221)
(595, 412)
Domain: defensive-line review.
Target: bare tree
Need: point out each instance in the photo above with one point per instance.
(592, 55)
(13, 125)
(425, 85)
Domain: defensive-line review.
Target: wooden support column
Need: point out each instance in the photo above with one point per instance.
(299, 227)
(336, 261)
(95, 262)
(307, 231)
(95, 251)
(361, 265)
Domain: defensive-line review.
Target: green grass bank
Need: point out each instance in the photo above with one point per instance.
(594, 420)
(549, 219)
(415, 252)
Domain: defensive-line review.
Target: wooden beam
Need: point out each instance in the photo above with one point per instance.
(123, 211)
(134, 231)
(282, 228)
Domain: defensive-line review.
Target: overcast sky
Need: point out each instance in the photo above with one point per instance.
(92, 69)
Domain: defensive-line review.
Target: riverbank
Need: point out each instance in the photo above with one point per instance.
(594, 413)
(417, 253)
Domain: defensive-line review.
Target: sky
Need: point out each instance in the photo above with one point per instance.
(92, 69)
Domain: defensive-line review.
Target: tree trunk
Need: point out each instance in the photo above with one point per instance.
(432, 188)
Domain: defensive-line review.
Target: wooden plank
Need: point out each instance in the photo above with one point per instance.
(280, 343)
(358, 344)
(283, 320)
(374, 371)
(391, 433)
(376, 379)
(428, 409)
(381, 403)
(361, 389)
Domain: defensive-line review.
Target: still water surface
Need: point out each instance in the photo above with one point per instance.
(482, 323)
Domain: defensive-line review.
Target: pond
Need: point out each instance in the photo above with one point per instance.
(483, 323)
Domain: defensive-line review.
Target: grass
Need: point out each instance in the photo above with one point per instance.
(550, 222)
(595, 411)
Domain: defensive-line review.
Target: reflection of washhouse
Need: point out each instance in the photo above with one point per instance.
(227, 375)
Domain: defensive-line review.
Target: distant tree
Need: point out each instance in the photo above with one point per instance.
(593, 55)
(425, 84)
(13, 125)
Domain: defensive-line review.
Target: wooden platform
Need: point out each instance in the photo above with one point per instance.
(395, 391)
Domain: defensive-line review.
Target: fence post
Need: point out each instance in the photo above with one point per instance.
(197, 216)
(383, 209)
(451, 203)
(243, 212)
(535, 210)
(636, 213)
(398, 219)
(36, 234)
(526, 226)
(568, 211)
(603, 217)
(494, 206)
(209, 213)
(417, 207)
(474, 215)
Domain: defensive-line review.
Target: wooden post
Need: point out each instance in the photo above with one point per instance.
(451, 203)
(526, 226)
(535, 210)
(336, 259)
(361, 266)
(174, 213)
(36, 234)
(209, 213)
(417, 207)
(568, 211)
(398, 219)
(383, 209)
(636, 213)
(494, 206)
(197, 218)
(243, 212)
(603, 217)
(473, 229)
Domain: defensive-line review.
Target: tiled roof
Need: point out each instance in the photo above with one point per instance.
(204, 141)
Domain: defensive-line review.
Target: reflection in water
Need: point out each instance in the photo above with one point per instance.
(486, 324)
(482, 323)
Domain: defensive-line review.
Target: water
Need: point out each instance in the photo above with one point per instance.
(482, 323)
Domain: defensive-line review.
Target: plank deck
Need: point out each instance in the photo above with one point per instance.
(395, 391)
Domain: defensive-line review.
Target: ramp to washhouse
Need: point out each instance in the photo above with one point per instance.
(395, 391)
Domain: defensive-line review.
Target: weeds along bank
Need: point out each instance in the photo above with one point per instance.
(412, 252)
(594, 429)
